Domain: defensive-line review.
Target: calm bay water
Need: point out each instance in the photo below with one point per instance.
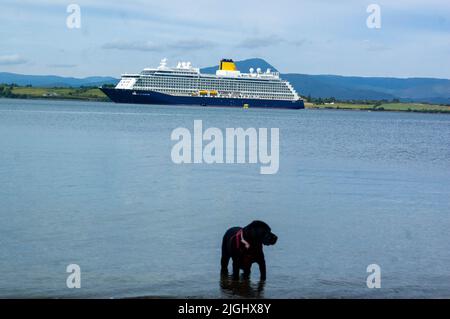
(94, 184)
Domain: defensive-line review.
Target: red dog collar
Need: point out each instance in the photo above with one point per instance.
(240, 239)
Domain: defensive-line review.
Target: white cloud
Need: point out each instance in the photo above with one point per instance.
(132, 45)
(186, 44)
(12, 59)
(191, 44)
(259, 42)
(62, 65)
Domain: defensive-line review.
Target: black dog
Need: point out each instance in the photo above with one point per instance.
(244, 246)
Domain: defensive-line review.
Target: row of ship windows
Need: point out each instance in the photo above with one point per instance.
(214, 82)
(211, 86)
(208, 81)
(217, 89)
(190, 76)
(260, 96)
(233, 94)
(220, 92)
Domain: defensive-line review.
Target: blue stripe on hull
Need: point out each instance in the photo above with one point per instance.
(151, 97)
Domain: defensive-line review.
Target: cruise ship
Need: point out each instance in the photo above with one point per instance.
(186, 85)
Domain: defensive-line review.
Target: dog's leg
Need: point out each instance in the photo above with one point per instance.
(262, 267)
(225, 256)
(224, 264)
(235, 269)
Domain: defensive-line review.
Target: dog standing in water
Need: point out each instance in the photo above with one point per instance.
(245, 247)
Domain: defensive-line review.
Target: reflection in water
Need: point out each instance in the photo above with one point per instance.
(241, 288)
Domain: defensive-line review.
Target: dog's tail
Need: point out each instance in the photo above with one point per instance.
(224, 243)
(225, 255)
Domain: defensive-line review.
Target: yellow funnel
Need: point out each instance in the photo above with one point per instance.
(227, 65)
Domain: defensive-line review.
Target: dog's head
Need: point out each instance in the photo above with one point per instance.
(259, 232)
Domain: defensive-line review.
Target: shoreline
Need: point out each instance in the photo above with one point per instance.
(385, 107)
(90, 94)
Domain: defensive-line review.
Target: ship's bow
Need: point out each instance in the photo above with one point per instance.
(117, 95)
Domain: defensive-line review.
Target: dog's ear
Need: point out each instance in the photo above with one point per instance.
(261, 226)
(257, 230)
(249, 232)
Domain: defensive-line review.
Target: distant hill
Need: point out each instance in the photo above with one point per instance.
(358, 88)
(53, 80)
(319, 86)
(374, 88)
(244, 66)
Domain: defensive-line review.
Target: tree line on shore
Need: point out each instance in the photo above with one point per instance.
(7, 91)
(375, 103)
